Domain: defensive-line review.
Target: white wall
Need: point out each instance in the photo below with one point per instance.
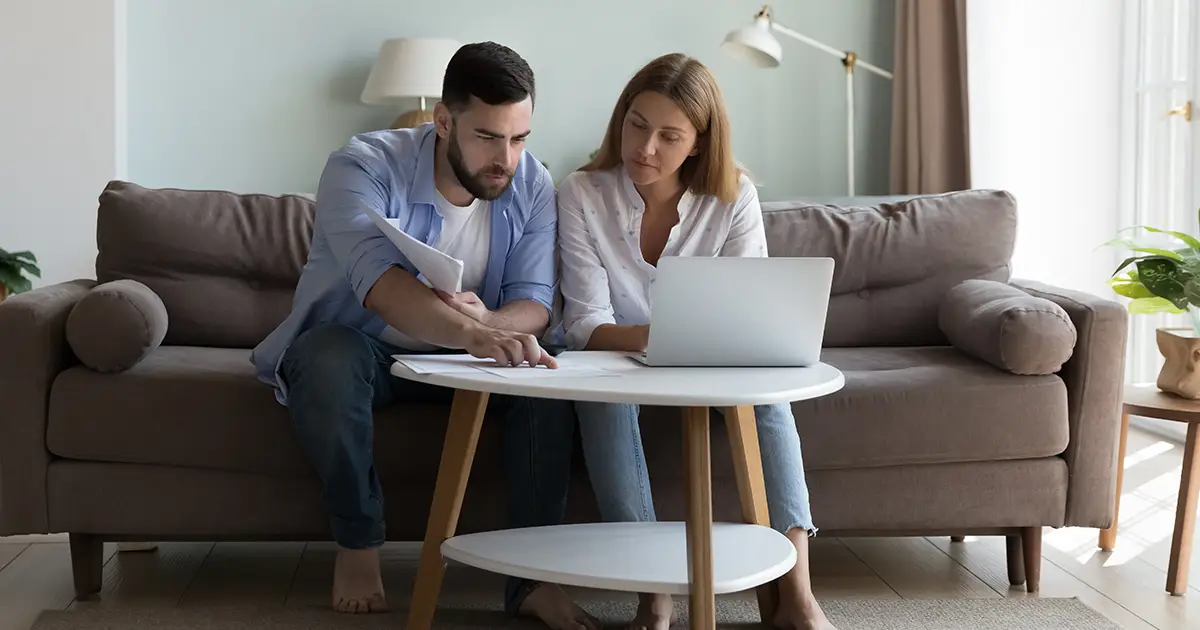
(1045, 81)
(62, 128)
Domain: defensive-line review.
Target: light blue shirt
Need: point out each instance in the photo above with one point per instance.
(391, 172)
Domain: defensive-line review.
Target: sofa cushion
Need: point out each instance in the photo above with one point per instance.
(225, 264)
(116, 325)
(896, 259)
(1007, 327)
(927, 406)
(204, 408)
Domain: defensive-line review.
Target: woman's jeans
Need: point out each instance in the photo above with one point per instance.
(616, 463)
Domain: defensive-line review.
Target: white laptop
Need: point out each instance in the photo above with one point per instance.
(738, 312)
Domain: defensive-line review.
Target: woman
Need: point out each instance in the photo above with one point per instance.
(664, 183)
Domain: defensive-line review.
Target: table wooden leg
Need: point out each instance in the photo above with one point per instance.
(1185, 515)
(1108, 537)
(698, 491)
(458, 452)
(742, 427)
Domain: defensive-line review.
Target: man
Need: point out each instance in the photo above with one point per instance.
(466, 186)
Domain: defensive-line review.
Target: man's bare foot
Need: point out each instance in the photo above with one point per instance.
(552, 605)
(357, 582)
(805, 614)
(655, 612)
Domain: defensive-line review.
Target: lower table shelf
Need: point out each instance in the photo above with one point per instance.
(633, 557)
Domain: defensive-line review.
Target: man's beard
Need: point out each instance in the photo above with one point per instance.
(474, 182)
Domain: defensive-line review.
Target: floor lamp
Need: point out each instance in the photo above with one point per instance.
(755, 44)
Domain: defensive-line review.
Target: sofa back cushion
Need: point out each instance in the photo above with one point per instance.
(224, 264)
(894, 260)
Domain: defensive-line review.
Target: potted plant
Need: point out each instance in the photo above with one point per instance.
(13, 270)
(1162, 275)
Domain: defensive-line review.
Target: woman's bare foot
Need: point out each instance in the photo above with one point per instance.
(655, 612)
(555, 608)
(801, 615)
(357, 582)
(798, 609)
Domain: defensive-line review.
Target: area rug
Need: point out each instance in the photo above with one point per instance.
(846, 614)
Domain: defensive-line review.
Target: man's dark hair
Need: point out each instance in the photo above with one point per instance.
(491, 72)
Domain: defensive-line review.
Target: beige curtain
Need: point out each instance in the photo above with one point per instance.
(930, 139)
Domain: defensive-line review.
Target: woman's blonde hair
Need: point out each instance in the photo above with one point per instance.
(691, 86)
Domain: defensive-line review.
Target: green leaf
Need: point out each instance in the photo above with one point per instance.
(1152, 305)
(1164, 279)
(1191, 291)
(1133, 259)
(1131, 245)
(30, 268)
(1130, 288)
(25, 256)
(12, 279)
(1188, 239)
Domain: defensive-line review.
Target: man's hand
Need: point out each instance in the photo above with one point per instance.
(468, 304)
(508, 348)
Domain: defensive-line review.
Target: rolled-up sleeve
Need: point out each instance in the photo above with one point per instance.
(531, 270)
(747, 235)
(587, 303)
(349, 189)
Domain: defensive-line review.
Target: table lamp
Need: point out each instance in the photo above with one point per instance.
(409, 68)
(756, 45)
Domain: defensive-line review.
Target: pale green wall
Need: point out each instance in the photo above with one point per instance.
(252, 95)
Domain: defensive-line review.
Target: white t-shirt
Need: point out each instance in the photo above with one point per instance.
(466, 235)
(605, 280)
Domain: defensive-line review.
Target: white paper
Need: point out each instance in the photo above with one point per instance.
(439, 271)
(441, 363)
(562, 371)
(465, 363)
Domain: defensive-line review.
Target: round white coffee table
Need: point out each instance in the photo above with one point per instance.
(695, 557)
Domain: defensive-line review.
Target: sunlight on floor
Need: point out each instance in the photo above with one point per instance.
(1147, 514)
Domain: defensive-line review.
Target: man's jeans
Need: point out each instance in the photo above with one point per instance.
(336, 376)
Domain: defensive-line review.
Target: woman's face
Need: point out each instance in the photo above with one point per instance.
(656, 138)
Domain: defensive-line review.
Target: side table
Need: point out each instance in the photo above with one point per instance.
(1149, 402)
(693, 557)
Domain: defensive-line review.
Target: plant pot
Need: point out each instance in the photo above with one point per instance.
(1179, 374)
(3, 292)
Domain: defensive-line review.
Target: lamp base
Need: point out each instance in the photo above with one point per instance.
(414, 118)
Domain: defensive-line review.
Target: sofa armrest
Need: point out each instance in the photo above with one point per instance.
(1095, 376)
(35, 351)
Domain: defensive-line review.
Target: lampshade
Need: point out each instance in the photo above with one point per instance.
(408, 68)
(754, 44)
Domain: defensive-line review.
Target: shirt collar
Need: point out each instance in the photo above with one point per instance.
(423, 189)
(635, 198)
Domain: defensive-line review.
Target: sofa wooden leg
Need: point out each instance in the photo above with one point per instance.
(1016, 560)
(87, 564)
(742, 428)
(458, 453)
(957, 539)
(1031, 548)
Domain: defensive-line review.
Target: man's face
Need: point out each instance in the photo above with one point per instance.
(485, 143)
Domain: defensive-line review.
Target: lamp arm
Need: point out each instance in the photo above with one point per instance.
(840, 54)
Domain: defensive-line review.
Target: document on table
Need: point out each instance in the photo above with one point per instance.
(437, 270)
(465, 363)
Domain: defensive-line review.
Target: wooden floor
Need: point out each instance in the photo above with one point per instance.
(1127, 584)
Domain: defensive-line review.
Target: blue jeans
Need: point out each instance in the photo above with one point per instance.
(337, 376)
(616, 463)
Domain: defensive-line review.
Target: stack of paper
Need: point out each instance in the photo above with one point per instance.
(465, 363)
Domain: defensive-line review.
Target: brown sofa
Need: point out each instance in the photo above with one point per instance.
(925, 439)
